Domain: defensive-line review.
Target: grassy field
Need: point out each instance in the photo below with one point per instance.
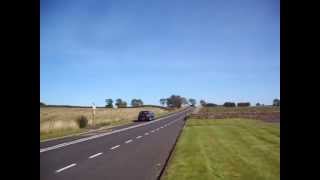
(226, 149)
(57, 121)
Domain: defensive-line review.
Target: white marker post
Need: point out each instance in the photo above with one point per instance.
(93, 113)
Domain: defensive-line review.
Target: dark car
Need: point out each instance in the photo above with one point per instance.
(146, 116)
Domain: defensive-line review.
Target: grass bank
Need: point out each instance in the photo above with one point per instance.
(226, 149)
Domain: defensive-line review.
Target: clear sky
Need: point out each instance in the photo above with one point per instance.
(216, 50)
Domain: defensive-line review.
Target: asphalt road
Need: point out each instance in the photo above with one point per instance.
(137, 151)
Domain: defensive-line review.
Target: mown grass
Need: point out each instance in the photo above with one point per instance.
(57, 121)
(226, 149)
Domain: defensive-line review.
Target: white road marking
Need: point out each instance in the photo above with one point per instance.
(139, 137)
(114, 147)
(129, 141)
(152, 131)
(71, 165)
(105, 134)
(95, 155)
(146, 134)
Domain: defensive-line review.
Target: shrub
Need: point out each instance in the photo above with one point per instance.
(243, 104)
(82, 121)
(229, 104)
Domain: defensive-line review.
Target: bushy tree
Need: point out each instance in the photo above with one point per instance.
(210, 105)
(258, 104)
(276, 102)
(163, 101)
(192, 101)
(229, 104)
(42, 104)
(243, 104)
(184, 100)
(120, 103)
(109, 103)
(175, 101)
(124, 104)
(203, 102)
(136, 102)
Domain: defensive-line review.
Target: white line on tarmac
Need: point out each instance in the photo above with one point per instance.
(95, 155)
(146, 134)
(129, 141)
(139, 137)
(114, 147)
(71, 165)
(105, 134)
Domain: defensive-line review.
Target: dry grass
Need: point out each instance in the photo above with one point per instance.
(54, 119)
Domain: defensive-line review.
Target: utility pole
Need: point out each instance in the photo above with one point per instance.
(93, 113)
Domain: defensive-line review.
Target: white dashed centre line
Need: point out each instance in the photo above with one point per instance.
(95, 155)
(129, 141)
(146, 134)
(71, 165)
(114, 147)
(139, 137)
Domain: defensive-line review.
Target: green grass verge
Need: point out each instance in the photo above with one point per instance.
(226, 149)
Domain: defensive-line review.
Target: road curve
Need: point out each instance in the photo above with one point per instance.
(135, 152)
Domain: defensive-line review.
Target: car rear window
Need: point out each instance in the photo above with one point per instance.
(143, 112)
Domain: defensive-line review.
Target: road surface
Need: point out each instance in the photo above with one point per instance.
(135, 152)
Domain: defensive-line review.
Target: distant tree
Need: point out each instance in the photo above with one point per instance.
(136, 102)
(124, 104)
(276, 102)
(229, 104)
(109, 103)
(163, 101)
(119, 103)
(210, 105)
(243, 104)
(42, 104)
(140, 102)
(258, 104)
(192, 101)
(184, 100)
(203, 103)
(175, 101)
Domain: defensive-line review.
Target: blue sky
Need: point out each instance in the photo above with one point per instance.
(216, 50)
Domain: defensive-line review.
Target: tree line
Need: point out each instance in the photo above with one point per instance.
(122, 104)
(276, 102)
(176, 101)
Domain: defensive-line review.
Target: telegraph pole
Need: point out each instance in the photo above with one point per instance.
(93, 113)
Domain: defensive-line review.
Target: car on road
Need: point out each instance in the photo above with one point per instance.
(146, 116)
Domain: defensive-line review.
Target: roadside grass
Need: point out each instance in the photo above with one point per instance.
(226, 149)
(58, 121)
